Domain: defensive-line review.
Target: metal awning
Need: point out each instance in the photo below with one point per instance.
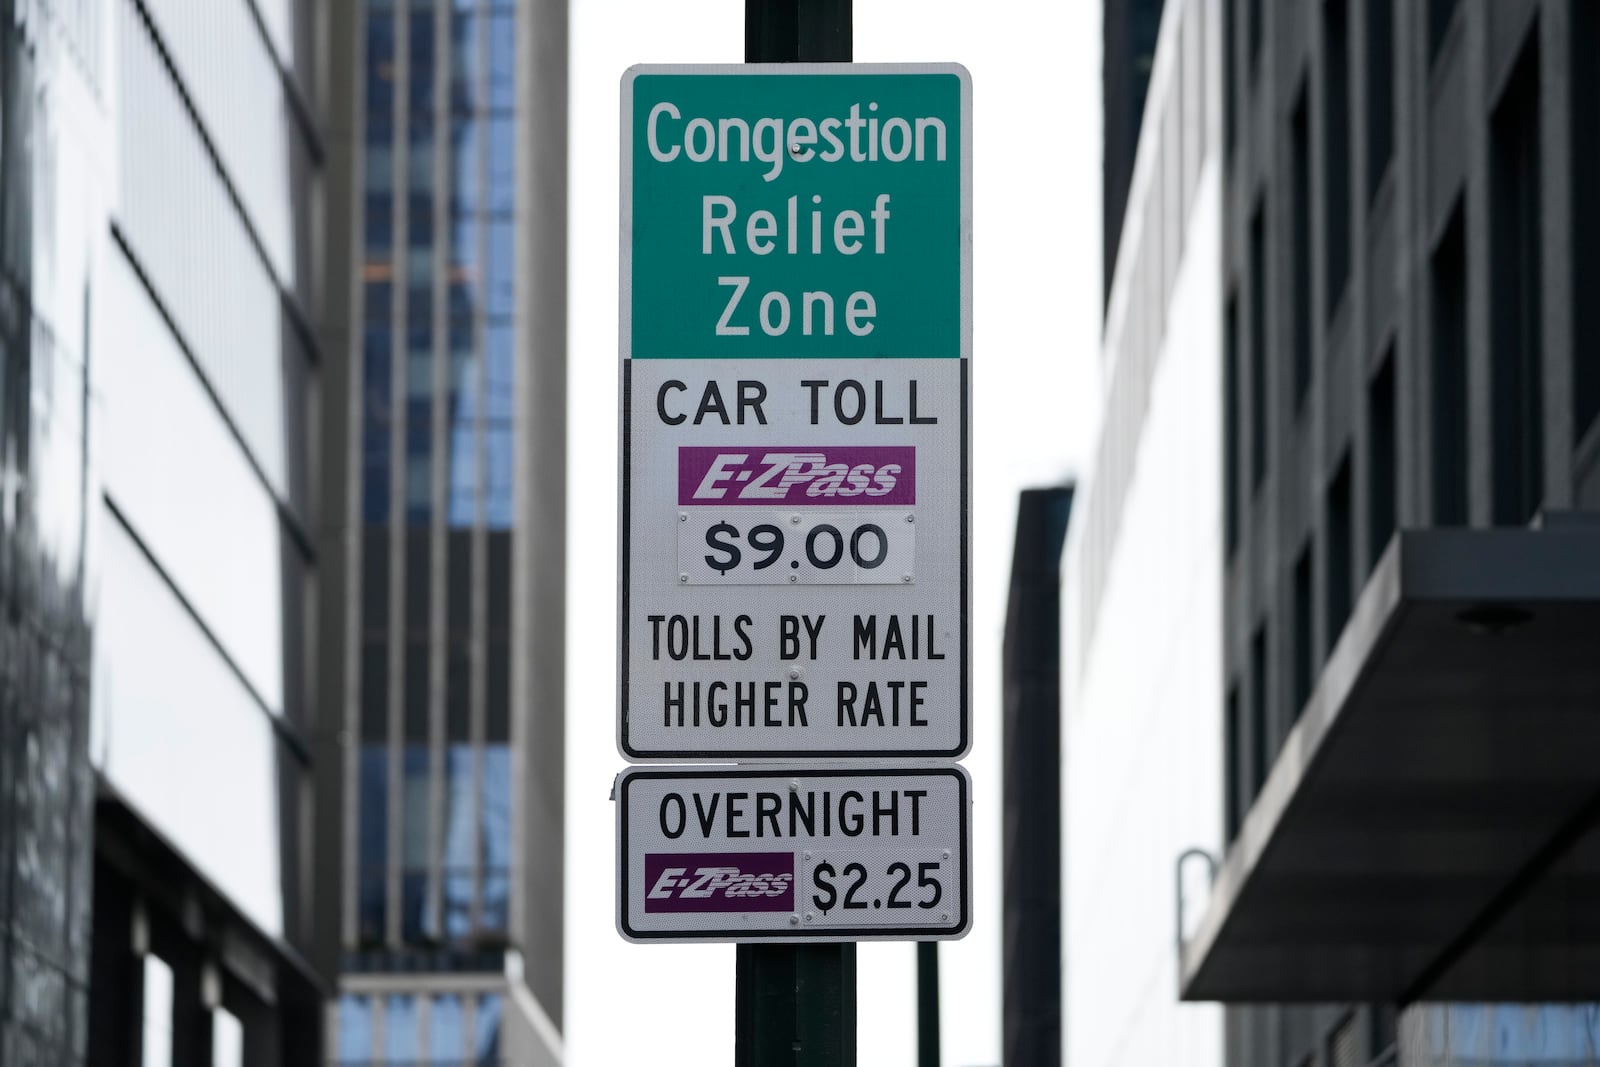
(1428, 828)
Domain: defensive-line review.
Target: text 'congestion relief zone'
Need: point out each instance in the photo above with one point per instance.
(795, 334)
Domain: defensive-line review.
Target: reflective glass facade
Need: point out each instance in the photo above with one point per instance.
(433, 823)
(441, 372)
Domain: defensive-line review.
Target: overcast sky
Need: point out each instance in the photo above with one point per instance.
(1035, 70)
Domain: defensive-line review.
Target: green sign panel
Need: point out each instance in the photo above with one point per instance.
(796, 211)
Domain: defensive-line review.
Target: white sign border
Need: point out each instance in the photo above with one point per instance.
(624, 395)
(796, 935)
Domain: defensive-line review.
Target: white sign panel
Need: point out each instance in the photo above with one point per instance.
(793, 853)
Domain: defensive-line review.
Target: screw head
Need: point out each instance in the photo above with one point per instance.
(793, 578)
(909, 518)
(794, 920)
(946, 853)
(794, 520)
(794, 148)
(944, 916)
(794, 673)
(794, 787)
(683, 516)
(903, 578)
(683, 577)
(810, 916)
(808, 855)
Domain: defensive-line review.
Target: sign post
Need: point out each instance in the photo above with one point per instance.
(795, 522)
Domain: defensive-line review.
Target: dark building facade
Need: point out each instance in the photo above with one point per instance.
(1031, 790)
(1412, 468)
(159, 172)
(451, 422)
(1128, 32)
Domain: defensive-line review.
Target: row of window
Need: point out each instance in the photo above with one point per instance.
(470, 900)
(444, 1029)
(482, 57)
(1327, 569)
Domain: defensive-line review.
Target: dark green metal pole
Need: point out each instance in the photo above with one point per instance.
(795, 1005)
(927, 1004)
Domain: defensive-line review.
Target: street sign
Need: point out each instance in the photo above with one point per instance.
(801, 853)
(795, 342)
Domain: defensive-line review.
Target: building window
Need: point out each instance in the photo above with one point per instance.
(1338, 540)
(446, 1028)
(1516, 431)
(1258, 712)
(1381, 459)
(486, 1037)
(1300, 238)
(1585, 216)
(156, 1037)
(1304, 652)
(372, 846)
(1336, 148)
(401, 1039)
(1256, 31)
(1233, 744)
(1230, 64)
(355, 1036)
(1448, 369)
(1230, 423)
(1380, 90)
(1258, 346)
(1440, 12)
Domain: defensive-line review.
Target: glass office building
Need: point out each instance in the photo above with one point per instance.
(159, 369)
(454, 422)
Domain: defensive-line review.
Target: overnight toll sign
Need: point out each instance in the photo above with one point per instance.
(795, 336)
(800, 853)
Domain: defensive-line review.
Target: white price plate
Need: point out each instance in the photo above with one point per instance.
(745, 547)
(796, 853)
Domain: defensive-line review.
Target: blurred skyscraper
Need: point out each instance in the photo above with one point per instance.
(1141, 709)
(160, 167)
(447, 627)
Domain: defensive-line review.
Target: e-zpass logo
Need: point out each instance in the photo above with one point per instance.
(719, 881)
(783, 476)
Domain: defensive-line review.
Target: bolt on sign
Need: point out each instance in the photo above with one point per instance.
(808, 853)
(795, 340)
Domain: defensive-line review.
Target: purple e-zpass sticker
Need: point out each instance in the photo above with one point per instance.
(802, 474)
(718, 881)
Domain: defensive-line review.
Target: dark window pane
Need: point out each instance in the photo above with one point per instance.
(1258, 712)
(416, 693)
(1304, 653)
(1230, 427)
(466, 168)
(1336, 147)
(378, 219)
(422, 72)
(1381, 485)
(1516, 368)
(374, 581)
(1340, 570)
(419, 466)
(1300, 241)
(465, 63)
(1380, 90)
(1256, 31)
(1230, 63)
(1585, 215)
(373, 844)
(415, 922)
(375, 472)
(1448, 367)
(380, 63)
(1439, 15)
(1233, 742)
(1258, 347)
(460, 835)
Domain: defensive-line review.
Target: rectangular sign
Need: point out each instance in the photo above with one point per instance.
(793, 853)
(795, 340)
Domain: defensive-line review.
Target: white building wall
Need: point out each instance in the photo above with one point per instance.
(1142, 730)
